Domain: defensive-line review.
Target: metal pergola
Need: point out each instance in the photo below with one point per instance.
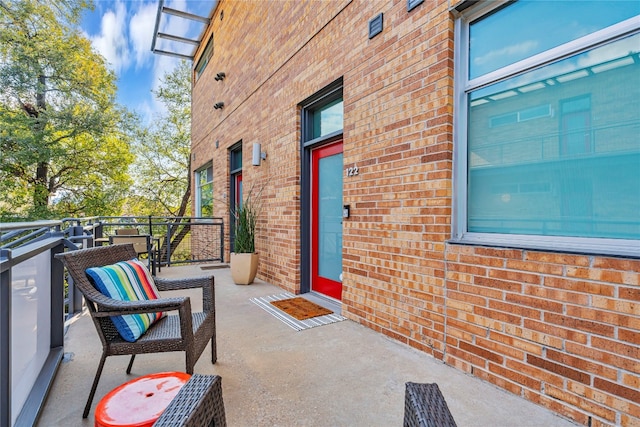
(172, 43)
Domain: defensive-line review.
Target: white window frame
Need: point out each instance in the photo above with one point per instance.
(198, 212)
(462, 86)
(205, 58)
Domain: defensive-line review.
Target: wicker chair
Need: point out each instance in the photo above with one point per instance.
(187, 331)
(424, 406)
(197, 404)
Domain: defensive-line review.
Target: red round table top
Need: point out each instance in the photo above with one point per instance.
(139, 402)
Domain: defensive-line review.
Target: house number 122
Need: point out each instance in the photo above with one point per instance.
(352, 171)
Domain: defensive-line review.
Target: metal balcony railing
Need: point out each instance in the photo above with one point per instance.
(36, 300)
(32, 317)
(180, 239)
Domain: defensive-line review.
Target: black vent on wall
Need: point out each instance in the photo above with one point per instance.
(375, 26)
(413, 3)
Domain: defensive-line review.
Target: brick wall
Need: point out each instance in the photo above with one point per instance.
(558, 329)
(561, 330)
(261, 92)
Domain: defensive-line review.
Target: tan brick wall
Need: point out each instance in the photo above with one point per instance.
(261, 92)
(561, 330)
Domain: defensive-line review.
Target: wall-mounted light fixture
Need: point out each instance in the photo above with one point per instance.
(218, 105)
(219, 77)
(257, 154)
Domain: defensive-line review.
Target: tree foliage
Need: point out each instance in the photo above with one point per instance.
(162, 165)
(64, 141)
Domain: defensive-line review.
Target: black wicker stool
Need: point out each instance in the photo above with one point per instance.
(424, 406)
(197, 404)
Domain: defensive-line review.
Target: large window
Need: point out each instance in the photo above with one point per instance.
(548, 125)
(204, 191)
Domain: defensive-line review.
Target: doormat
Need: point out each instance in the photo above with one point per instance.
(266, 304)
(300, 308)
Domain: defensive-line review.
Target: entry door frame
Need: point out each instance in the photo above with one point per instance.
(307, 144)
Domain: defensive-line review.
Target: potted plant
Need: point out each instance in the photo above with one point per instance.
(244, 259)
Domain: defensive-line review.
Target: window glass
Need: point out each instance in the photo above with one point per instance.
(555, 151)
(328, 118)
(236, 159)
(526, 28)
(329, 220)
(204, 194)
(204, 58)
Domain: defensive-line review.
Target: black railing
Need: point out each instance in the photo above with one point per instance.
(179, 240)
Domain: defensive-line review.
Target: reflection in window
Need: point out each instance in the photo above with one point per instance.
(328, 118)
(575, 125)
(556, 23)
(236, 159)
(204, 192)
(552, 148)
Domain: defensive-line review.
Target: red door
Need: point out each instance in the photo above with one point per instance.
(326, 220)
(238, 190)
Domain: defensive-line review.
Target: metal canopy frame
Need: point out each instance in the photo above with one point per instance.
(182, 41)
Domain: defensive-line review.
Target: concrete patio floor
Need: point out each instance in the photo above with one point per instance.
(341, 374)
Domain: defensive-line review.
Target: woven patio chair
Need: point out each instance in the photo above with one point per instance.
(186, 331)
(424, 406)
(197, 404)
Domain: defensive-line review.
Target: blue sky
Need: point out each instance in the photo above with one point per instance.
(122, 32)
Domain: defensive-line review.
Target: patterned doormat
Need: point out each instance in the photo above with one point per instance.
(266, 303)
(300, 308)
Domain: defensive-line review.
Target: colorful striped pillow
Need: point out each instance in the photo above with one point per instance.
(127, 281)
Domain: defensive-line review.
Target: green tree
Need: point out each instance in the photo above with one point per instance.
(63, 140)
(162, 166)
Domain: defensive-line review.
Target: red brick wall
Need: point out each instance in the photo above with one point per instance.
(561, 330)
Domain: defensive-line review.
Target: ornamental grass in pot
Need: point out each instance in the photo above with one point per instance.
(244, 259)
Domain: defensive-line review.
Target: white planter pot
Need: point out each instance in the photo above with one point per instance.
(244, 268)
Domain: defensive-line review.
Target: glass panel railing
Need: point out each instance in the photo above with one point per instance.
(30, 325)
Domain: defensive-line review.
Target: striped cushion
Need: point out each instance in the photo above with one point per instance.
(127, 281)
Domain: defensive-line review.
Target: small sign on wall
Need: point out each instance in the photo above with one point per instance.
(352, 171)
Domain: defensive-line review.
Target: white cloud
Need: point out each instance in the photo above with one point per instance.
(112, 42)
(519, 50)
(123, 37)
(141, 32)
(162, 65)
(609, 52)
(146, 111)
